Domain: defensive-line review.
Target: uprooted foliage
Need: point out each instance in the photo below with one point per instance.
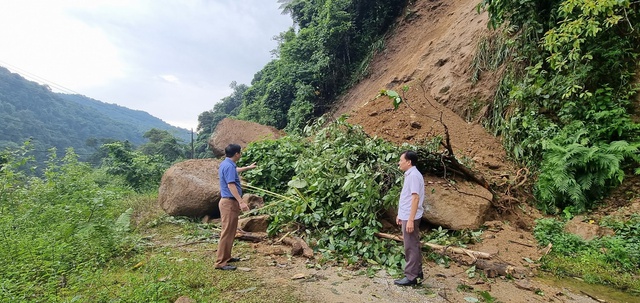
(329, 188)
(332, 186)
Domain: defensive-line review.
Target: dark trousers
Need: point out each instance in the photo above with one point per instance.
(229, 212)
(412, 250)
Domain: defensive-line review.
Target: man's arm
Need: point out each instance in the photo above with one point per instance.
(241, 169)
(236, 194)
(415, 199)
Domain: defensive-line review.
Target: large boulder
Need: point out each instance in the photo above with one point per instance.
(254, 224)
(456, 207)
(239, 132)
(191, 188)
(461, 206)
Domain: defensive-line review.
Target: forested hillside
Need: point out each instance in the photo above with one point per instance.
(325, 53)
(560, 99)
(32, 112)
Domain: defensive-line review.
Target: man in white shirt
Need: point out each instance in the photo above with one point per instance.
(410, 211)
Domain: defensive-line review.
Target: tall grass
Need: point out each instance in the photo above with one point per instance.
(76, 235)
(53, 227)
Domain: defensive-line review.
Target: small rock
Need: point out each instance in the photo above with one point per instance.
(442, 62)
(298, 276)
(491, 165)
(525, 284)
(185, 299)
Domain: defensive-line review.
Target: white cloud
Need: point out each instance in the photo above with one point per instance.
(39, 37)
(170, 78)
(173, 59)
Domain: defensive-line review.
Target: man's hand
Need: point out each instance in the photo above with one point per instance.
(246, 168)
(409, 226)
(398, 221)
(244, 206)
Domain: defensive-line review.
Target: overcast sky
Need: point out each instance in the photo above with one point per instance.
(171, 58)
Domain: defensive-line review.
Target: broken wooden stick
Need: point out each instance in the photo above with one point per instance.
(248, 236)
(444, 249)
(520, 243)
(592, 297)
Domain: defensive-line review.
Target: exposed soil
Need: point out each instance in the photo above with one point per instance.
(431, 52)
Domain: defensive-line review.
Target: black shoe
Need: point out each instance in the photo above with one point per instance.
(234, 259)
(421, 276)
(227, 267)
(405, 282)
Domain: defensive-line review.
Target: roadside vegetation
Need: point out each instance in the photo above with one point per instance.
(83, 234)
(565, 109)
(609, 260)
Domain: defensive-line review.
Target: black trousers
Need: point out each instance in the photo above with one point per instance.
(412, 250)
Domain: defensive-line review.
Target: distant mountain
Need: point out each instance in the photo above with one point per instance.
(30, 111)
(138, 119)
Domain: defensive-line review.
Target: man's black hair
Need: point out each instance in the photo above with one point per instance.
(411, 156)
(231, 150)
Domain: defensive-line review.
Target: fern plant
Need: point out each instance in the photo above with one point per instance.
(576, 173)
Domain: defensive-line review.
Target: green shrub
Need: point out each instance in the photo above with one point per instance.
(53, 227)
(275, 160)
(342, 181)
(576, 173)
(564, 105)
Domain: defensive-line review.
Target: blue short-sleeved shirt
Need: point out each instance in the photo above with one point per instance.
(413, 184)
(227, 173)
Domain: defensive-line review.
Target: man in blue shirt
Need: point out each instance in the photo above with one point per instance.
(230, 205)
(410, 211)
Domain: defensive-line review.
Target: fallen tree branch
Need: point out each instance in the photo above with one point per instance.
(447, 159)
(248, 236)
(491, 268)
(444, 249)
(545, 251)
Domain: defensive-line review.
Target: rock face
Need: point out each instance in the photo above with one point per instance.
(463, 206)
(191, 188)
(239, 132)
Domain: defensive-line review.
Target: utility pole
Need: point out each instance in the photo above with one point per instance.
(193, 150)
